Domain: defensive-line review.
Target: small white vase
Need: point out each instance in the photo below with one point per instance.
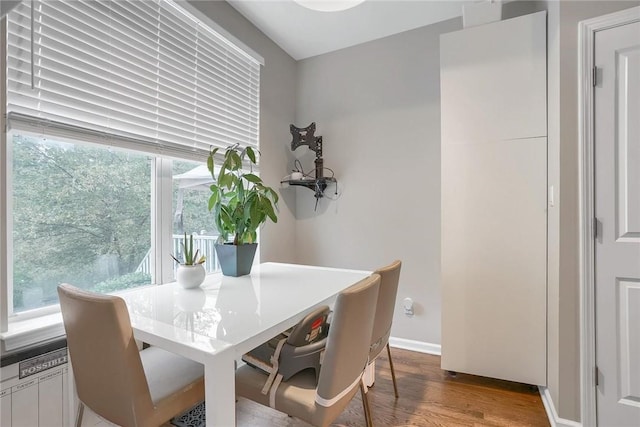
(190, 276)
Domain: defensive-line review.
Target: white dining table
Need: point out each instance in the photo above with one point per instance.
(225, 317)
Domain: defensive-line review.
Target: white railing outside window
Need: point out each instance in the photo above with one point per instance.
(203, 244)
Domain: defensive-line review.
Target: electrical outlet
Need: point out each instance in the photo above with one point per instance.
(407, 303)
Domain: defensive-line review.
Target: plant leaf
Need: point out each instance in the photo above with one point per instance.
(251, 154)
(236, 161)
(225, 180)
(268, 209)
(213, 199)
(210, 162)
(252, 178)
(274, 195)
(240, 191)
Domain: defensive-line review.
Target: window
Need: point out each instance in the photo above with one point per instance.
(107, 102)
(81, 214)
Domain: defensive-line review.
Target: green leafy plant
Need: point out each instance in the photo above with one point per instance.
(239, 200)
(188, 256)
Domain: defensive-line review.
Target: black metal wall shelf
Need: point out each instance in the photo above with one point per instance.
(318, 185)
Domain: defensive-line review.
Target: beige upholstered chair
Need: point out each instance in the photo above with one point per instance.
(345, 358)
(389, 277)
(115, 380)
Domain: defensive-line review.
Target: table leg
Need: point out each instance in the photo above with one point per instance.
(220, 390)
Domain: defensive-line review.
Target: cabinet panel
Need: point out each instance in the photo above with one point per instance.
(494, 259)
(493, 81)
(24, 404)
(51, 400)
(5, 408)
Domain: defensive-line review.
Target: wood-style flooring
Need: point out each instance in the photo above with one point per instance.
(428, 397)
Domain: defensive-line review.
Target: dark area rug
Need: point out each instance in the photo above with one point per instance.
(194, 417)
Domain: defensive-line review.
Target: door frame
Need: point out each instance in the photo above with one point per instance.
(586, 42)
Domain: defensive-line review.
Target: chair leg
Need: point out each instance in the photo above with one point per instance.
(79, 414)
(393, 372)
(365, 405)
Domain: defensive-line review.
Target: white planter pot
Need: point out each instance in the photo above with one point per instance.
(190, 276)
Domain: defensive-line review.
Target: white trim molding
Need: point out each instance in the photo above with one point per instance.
(4, 245)
(32, 331)
(418, 346)
(586, 40)
(552, 414)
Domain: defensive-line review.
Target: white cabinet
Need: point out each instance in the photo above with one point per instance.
(493, 81)
(494, 172)
(34, 392)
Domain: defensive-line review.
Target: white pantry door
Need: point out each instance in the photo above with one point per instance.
(617, 208)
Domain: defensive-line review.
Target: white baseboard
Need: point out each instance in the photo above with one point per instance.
(419, 346)
(552, 414)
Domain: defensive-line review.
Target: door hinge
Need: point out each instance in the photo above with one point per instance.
(594, 76)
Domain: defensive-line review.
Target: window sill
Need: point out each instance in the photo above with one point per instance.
(32, 331)
(36, 330)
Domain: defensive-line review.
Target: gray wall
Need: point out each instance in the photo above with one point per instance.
(277, 111)
(377, 106)
(7, 5)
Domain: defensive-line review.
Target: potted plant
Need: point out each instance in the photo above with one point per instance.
(190, 273)
(240, 203)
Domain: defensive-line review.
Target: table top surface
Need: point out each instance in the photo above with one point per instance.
(233, 312)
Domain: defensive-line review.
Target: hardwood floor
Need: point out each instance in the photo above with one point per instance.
(428, 397)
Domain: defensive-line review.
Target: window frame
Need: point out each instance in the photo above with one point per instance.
(4, 243)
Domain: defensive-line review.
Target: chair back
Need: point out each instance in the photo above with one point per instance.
(106, 362)
(389, 277)
(347, 348)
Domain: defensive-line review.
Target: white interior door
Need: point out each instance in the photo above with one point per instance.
(617, 208)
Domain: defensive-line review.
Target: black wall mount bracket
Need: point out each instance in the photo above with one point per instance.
(306, 136)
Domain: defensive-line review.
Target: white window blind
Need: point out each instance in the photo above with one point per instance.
(145, 69)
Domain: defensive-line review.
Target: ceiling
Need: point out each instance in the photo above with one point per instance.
(303, 33)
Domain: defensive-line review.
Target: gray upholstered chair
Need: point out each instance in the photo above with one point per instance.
(115, 380)
(389, 277)
(344, 361)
